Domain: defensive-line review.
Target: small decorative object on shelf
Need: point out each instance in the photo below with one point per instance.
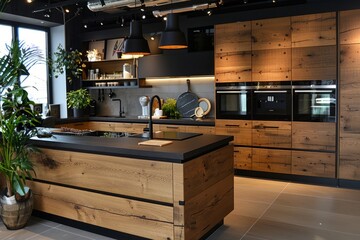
(93, 55)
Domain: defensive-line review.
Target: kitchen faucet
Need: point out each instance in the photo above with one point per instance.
(120, 112)
(150, 114)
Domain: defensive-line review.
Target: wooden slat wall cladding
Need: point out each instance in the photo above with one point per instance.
(271, 160)
(271, 33)
(313, 30)
(314, 135)
(240, 129)
(349, 148)
(313, 164)
(119, 214)
(142, 178)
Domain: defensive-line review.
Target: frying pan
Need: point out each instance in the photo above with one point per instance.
(187, 102)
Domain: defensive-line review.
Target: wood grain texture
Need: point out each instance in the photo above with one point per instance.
(317, 164)
(309, 63)
(271, 65)
(271, 134)
(141, 178)
(76, 125)
(120, 214)
(271, 160)
(349, 26)
(242, 158)
(314, 135)
(200, 129)
(233, 37)
(349, 156)
(313, 30)
(233, 67)
(271, 33)
(240, 129)
(117, 126)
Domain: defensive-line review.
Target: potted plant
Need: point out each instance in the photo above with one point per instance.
(78, 100)
(70, 62)
(17, 123)
(169, 108)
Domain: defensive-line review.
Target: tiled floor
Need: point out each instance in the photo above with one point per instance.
(263, 210)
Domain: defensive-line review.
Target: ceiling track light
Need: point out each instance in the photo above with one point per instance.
(197, 7)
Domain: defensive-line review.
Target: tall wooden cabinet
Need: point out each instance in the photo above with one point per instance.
(293, 48)
(349, 164)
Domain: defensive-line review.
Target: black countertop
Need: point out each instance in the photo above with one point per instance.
(134, 119)
(177, 151)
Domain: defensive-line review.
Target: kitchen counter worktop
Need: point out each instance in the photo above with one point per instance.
(135, 119)
(177, 151)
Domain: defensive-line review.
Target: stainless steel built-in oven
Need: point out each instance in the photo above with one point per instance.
(272, 101)
(233, 100)
(314, 101)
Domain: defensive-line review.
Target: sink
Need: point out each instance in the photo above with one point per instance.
(167, 135)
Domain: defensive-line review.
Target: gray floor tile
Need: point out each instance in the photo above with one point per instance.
(313, 218)
(331, 205)
(249, 208)
(273, 230)
(83, 233)
(321, 191)
(57, 234)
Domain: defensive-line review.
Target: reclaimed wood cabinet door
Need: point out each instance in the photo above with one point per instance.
(349, 131)
(240, 129)
(271, 134)
(314, 136)
(242, 158)
(314, 53)
(317, 164)
(233, 52)
(271, 160)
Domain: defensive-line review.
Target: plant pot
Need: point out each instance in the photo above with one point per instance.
(78, 112)
(16, 214)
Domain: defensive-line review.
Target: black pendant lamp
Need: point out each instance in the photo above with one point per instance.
(172, 37)
(136, 44)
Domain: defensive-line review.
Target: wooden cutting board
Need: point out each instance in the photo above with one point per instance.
(154, 142)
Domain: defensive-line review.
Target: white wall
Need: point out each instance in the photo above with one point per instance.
(58, 84)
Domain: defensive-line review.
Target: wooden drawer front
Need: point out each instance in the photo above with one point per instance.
(271, 65)
(271, 134)
(201, 129)
(242, 158)
(119, 214)
(127, 176)
(172, 128)
(103, 126)
(78, 125)
(310, 63)
(314, 135)
(313, 30)
(130, 127)
(233, 67)
(240, 129)
(349, 156)
(271, 33)
(233, 37)
(349, 24)
(316, 164)
(270, 160)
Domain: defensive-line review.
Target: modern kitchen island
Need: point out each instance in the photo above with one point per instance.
(179, 191)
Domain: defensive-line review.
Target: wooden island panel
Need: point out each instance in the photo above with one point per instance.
(111, 212)
(150, 199)
(119, 175)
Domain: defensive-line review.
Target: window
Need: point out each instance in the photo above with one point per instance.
(37, 82)
(6, 38)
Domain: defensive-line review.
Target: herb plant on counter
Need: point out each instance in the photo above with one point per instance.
(79, 99)
(169, 109)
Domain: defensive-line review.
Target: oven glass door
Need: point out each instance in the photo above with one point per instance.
(315, 105)
(233, 104)
(272, 105)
